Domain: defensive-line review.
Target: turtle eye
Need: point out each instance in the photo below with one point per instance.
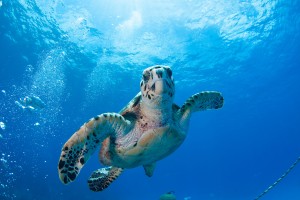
(159, 73)
(146, 76)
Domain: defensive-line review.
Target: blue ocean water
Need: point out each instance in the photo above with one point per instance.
(83, 58)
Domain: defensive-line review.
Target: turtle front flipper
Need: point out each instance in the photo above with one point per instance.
(199, 102)
(103, 177)
(83, 143)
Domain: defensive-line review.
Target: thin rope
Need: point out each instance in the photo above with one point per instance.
(278, 180)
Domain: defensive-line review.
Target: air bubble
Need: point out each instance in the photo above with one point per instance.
(3, 160)
(2, 125)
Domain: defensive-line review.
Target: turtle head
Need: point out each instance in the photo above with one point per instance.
(157, 85)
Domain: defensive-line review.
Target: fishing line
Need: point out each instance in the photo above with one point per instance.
(278, 180)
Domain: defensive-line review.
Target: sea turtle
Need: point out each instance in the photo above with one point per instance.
(168, 196)
(149, 128)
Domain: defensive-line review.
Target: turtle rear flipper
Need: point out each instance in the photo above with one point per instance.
(103, 177)
(83, 143)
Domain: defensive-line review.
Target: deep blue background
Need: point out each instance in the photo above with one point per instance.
(84, 58)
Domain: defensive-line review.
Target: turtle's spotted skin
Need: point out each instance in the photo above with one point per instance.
(148, 129)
